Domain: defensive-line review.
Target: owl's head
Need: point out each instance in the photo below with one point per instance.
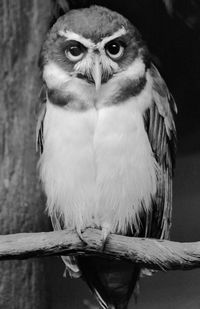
(92, 44)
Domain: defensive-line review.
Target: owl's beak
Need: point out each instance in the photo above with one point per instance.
(97, 72)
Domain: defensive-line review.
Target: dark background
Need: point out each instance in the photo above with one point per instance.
(171, 29)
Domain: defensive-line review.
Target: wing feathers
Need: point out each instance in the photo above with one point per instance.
(160, 126)
(41, 115)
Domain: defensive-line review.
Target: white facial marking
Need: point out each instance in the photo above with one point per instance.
(136, 69)
(107, 39)
(69, 35)
(54, 75)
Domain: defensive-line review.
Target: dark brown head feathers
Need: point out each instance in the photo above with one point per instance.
(94, 22)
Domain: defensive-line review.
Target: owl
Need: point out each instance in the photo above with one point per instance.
(107, 139)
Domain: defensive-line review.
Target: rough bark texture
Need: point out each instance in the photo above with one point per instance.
(22, 27)
(149, 253)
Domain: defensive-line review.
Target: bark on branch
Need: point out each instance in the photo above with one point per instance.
(149, 253)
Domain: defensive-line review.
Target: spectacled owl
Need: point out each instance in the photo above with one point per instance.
(107, 140)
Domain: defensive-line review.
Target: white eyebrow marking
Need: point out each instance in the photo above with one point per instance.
(69, 35)
(115, 35)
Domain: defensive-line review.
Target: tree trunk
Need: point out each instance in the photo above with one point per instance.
(22, 27)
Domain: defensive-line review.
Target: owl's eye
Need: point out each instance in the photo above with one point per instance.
(75, 52)
(114, 49)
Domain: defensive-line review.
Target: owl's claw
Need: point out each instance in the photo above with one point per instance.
(80, 233)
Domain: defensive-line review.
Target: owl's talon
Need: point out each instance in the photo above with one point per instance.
(80, 233)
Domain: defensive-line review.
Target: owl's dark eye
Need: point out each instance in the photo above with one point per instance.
(75, 52)
(114, 49)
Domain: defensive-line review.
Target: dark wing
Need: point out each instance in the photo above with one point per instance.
(160, 127)
(41, 115)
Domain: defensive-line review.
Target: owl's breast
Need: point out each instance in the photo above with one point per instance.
(97, 166)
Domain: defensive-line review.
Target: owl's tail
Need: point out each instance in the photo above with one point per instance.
(111, 281)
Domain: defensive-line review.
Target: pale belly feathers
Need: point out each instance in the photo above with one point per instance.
(97, 167)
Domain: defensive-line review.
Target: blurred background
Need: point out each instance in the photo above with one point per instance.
(171, 29)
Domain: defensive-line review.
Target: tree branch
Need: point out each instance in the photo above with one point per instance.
(149, 253)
